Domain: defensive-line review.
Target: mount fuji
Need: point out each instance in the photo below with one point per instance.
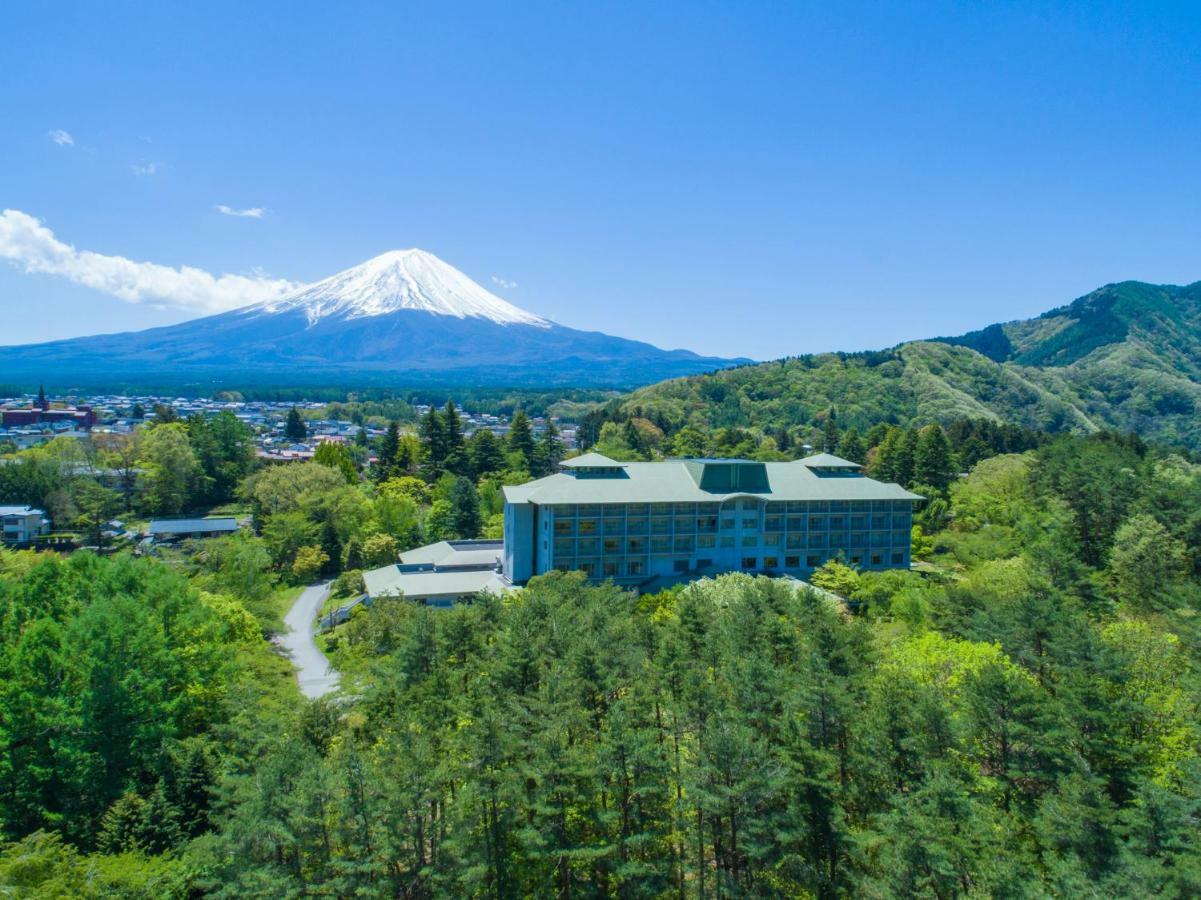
(402, 316)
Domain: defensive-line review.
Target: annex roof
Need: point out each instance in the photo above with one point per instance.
(673, 481)
(192, 526)
(390, 581)
(455, 554)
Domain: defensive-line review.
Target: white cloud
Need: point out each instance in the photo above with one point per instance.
(60, 137)
(253, 212)
(503, 282)
(33, 246)
(146, 168)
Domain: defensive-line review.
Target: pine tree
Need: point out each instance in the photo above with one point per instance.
(433, 446)
(852, 447)
(484, 453)
(294, 428)
(465, 506)
(389, 448)
(549, 451)
(932, 463)
(830, 434)
(521, 438)
(42, 403)
(455, 460)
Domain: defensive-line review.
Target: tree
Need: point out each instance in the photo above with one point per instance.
(308, 563)
(440, 522)
(96, 505)
(852, 447)
(837, 577)
(380, 550)
(830, 433)
(138, 412)
(932, 461)
(548, 452)
(285, 533)
(42, 402)
(484, 453)
(1144, 561)
(689, 441)
(521, 439)
(454, 448)
(295, 429)
(389, 449)
(171, 469)
(336, 456)
(465, 506)
(432, 433)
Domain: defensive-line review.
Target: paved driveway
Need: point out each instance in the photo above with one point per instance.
(312, 668)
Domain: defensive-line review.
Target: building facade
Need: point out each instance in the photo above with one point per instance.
(21, 525)
(644, 522)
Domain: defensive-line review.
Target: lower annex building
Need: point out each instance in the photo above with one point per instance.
(646, 525)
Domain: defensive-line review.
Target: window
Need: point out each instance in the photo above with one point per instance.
(817, 523)
(660, 545)
(773, 523)
(792, 562)
(898, 559)
(856, 559)
(588, 569)
(727, 522)
(636, 526)
(661, 525)
(877, 559)
(611, 569)
(680, 565)
(727, 540)
(812, 561)
(771, 562)
(588, 526)
(751, 522)
(636, 545)
(836, 523)
(589, 547)
(612, 546)
(683, 544)
(614, 526)
(706, 541)
(771, 540)
(703, 563)
(565, 528)
(796, 523)
(750, 562)
(749, 540)
(634, 567)
(706, 523)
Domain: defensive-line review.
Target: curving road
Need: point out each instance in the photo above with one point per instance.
(312, 668)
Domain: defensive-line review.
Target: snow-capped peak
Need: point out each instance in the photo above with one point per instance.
(398, 280)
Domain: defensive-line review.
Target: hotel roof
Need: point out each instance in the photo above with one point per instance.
(708, 481)
(390, 581)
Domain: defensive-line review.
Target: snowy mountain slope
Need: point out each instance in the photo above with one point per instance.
(400, 279)
(400, 317)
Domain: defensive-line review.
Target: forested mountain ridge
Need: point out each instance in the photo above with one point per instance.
(1126, 356)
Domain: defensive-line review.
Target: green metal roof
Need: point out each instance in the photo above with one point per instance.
(829, 461)
(675, 481)
(591, 461)
(390, 581)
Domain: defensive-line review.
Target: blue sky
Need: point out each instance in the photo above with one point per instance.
(757, 179)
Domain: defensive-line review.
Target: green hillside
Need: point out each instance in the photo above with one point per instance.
(1126, 356)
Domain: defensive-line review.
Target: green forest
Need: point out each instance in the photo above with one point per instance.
(1015, 718)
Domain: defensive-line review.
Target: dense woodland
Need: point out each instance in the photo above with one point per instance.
(1019, 718)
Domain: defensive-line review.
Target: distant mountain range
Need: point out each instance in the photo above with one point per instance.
(1126, 356)
(402, 317)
